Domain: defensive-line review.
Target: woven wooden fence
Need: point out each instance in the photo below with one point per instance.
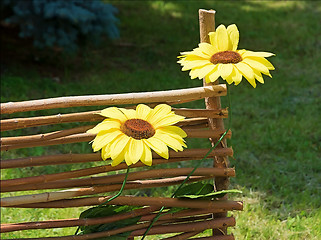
(81, 187)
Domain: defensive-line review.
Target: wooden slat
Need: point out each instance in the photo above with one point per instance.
(139, 201)
(160, 227)
(185, 227)
(187, 154)
(84, 191)
(77, 135)
(44, 136)
(145, 213)
(90, 171)
(118, 178)
(114, 99)
(93, 116)
(73, 222)
(18, 123)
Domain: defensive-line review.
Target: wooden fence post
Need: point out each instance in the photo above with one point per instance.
(207, 24)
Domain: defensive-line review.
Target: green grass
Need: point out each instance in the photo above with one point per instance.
(276, 127)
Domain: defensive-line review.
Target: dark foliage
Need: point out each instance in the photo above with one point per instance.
(60, 23)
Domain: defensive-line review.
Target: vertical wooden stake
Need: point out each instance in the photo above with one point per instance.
(207, 24)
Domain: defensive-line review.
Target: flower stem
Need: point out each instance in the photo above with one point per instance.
(120, 191)
(198, 164)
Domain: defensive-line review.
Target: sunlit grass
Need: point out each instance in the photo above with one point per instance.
(276, 127)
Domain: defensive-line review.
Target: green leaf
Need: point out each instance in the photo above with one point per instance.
(104, 211)
(211, 195)
(198, 188)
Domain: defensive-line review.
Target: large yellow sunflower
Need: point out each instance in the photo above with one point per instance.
(221, 58)
(130, 135)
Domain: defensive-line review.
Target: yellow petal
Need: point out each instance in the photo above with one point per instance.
(185, 53)
(258, 54)
(193, 58)
(178, 138)
(255, 65)
(105, 152)
(207, 79)
(158, 146)
(207, 48)
(205, 70)
(103, 138)
(129, 113)
(158, 112)
(107, 124)
(128, 156)
(229, 79)
(242, 52)
(258, 76)
(175, 136)
(120, 157)
(263, 61)
(236, 76)
(199, 52)
(167, 120)
(196, 52)
(214, 75)
(173, 130)
(222, 38)
(247, 72)
(146, 157)
(136, 150)
(233, 34)
(118, 145)
(194, 73)
(113, 112)
(225, 70)
(169, 141)
(142, 111)
(195, 64)
(213, 41)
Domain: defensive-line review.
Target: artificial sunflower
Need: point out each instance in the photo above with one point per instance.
(130, 135)
(221, 58)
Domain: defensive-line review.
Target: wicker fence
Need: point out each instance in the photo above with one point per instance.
(81, 187)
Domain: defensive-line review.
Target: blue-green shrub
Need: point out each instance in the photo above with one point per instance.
(61, 23)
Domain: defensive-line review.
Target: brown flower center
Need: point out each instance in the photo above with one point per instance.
(226, 57)
(138, 129)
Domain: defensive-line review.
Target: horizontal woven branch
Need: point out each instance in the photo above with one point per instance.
(44, 136)
(73, 222)
(77, 192)
(115, 99)
(73, 136)
(138, 184)
(187, 154)
(225, 205)
(118, 179)
(186, 227)
(105, 168)
(160, 227)
(146, 213)
(92, 116)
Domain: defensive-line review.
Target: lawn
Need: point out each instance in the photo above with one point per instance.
(276, 127)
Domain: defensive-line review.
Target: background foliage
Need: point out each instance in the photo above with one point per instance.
(60, 23)
(276, 127)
